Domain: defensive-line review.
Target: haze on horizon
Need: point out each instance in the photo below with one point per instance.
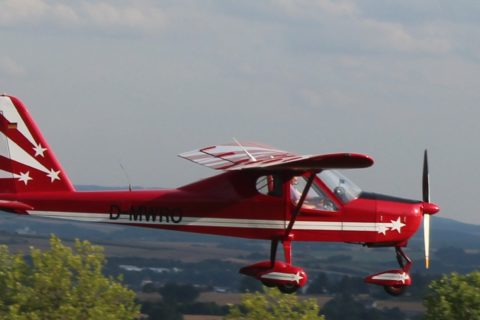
(138, 82)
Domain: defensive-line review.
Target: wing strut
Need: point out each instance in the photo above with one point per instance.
(299, 204)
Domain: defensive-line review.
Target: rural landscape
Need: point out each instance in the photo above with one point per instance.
(188, 276)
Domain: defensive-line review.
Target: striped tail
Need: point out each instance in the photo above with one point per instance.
(27, 164)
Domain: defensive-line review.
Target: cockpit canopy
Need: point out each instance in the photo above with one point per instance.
(341, 186)
(317, 198)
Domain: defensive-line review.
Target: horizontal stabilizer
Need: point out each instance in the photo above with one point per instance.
(256, 156)
(15, 206)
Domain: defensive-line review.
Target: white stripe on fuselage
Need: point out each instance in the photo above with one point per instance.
(216, 222)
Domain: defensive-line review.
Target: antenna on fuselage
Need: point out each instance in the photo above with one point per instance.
(245, 150)
(126, 176)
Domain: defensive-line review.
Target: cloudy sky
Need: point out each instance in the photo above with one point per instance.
(137, 82)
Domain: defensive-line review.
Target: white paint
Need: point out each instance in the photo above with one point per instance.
(220, 222)
(283, 276)
(20, 155)
(53, 175)
(39, 150)
(10, 112)
(392, 277)
(5, 174)
(23, 177)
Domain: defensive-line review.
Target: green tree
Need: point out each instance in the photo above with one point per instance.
(61, 283)
(454, 296)
(345, 306)
(273, 305)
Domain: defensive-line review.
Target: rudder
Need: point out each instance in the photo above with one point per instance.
(27, 164)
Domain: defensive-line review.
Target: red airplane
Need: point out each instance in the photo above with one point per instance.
(262, 193)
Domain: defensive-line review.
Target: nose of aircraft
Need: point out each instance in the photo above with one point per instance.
(430, 208)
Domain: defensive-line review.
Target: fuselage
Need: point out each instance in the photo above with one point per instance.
(230, 204)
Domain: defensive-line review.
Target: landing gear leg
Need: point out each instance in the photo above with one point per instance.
(287, 250)
(403, 260)
(273, 252)
(273, 258)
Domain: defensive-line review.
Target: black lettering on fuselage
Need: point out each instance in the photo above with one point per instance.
(114, 212)
(148, 214)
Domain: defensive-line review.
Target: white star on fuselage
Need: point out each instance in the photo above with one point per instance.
(53, 175)
(397, 225)
(381, 228)
(24, 177)
(39, 150)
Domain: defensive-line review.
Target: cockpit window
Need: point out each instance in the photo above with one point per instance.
(315, 199)
(340, 185)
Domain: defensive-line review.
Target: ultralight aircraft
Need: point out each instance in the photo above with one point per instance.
(261, 193)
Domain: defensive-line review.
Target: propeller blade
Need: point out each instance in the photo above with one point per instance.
(426, 216)
(426, 239)
(426, 179)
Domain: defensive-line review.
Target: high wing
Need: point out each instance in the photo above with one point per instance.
(242, 156)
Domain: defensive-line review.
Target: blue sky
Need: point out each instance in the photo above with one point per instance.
(138, 82)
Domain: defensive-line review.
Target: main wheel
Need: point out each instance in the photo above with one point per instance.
(288, 288)
(395, 290)
(268, 284)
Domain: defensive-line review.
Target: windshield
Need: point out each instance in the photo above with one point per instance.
(340, 185)
(315, 198)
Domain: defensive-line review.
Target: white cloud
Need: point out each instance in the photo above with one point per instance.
(28, 12)
(104, 14)
(11, 68)
(312, 7)
(134, 15)
(397, 37)
(19, 11)
(326, 25)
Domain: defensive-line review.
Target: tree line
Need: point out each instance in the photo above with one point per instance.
(64, 282)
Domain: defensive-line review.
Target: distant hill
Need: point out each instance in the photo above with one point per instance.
(450, 233)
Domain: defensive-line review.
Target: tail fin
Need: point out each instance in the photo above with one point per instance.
(27, 164)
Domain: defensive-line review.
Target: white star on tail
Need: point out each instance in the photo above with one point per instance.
(53, 175)
(24, 177)
(397, 225)
(39, 150)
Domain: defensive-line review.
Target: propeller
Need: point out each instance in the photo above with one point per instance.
(426, 217)
(428, 209)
